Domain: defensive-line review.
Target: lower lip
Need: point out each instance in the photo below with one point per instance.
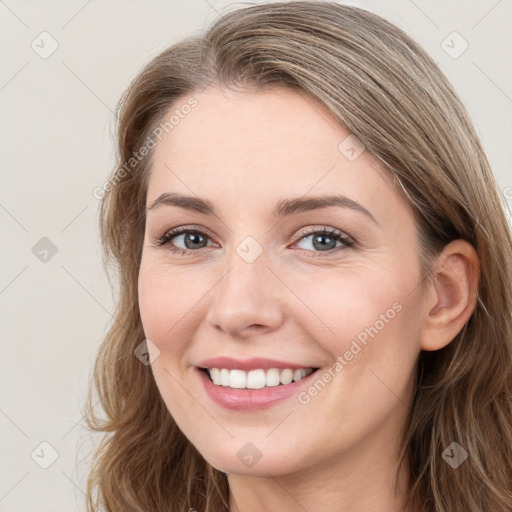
(250, 399)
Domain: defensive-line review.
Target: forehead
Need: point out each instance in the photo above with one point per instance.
(248, 147)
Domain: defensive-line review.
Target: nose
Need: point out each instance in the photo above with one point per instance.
(248, 300)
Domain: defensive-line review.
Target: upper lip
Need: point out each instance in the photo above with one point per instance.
(249, 364)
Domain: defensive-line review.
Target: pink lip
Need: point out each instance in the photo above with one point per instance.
(248, 364)
(250, 399)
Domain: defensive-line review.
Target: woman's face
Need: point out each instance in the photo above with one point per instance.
(261, 292)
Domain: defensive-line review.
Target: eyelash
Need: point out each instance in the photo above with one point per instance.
(332, 233)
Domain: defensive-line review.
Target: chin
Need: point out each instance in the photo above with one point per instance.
(249, 461)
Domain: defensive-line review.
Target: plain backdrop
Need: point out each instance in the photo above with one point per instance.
(57, 147)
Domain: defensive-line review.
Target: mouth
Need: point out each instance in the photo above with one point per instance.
(257, 378)
(252, 384)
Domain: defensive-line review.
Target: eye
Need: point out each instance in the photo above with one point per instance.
(324, 240)
(192, 238)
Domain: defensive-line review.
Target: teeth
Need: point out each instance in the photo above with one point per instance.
(286, 376)
(215, 375)
(237, 379)
(256, 379)
(224, 377)
(272, 377)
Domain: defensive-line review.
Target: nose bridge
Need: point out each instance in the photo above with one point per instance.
(247, 294)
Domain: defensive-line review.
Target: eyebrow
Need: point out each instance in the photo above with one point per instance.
(283, 208)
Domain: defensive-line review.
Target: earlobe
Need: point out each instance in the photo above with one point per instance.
(452, 295)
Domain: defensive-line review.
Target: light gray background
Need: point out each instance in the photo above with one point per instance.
(57, 121)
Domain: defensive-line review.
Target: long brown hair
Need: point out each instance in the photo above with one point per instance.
(386, 90)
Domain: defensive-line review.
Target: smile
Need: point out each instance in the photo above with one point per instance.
(252, 384)
(257, 378)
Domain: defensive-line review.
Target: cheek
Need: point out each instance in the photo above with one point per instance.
(163, 310)
(153, 297)
(352, 305)
(163, 304)
(370, 319)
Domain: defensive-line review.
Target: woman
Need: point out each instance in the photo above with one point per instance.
(314, 263)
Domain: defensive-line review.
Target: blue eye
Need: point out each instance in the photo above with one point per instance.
(192, 236)
(324, 240)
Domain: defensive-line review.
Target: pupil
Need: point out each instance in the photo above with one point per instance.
(194, 238)
(323, 245)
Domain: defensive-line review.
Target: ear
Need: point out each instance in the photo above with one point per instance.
(451, 296)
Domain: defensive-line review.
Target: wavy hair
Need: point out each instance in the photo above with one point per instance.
(385, 89)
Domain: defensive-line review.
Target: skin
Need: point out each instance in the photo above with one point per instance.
(245, 152)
